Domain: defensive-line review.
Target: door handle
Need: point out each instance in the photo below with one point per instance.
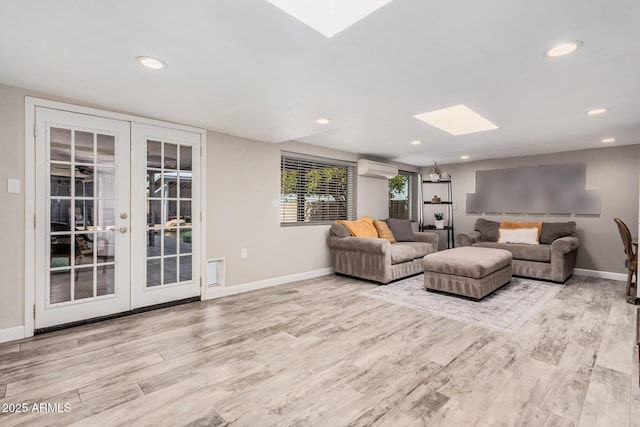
(122, 230)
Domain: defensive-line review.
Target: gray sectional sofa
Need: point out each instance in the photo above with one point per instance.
(378, 259)
(554, 259)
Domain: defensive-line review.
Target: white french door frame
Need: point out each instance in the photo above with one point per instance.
(141, 294)
(30, 195)
(48, 310)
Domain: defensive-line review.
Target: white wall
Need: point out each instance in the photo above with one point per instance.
(373, 197)
(12, 212)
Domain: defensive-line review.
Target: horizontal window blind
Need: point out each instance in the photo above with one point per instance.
(316, 190)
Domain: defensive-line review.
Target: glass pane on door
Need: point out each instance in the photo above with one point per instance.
(60, 286)
(81, 215)
(169, 223)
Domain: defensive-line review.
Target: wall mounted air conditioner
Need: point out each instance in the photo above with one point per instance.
(376, 169)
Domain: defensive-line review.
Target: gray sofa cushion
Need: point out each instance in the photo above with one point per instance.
(467, 261)
(468, 238)
(520, 251)
(488, 229)
(555, 230)
(408, 251)
(339, 230)
(420, 248)
(402, 253)
(401, 229)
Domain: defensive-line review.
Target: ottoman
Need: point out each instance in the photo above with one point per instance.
(469, 271)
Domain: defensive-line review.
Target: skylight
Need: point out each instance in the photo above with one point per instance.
(329, 17)
(457, 120)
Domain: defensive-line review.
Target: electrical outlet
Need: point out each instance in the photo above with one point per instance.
(243, 254)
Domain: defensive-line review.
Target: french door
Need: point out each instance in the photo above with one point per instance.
(166, 217)
(114, 223)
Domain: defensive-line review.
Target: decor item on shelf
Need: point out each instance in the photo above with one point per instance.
(439, 203)
(435, 172)
(439, 220)
(444, 175)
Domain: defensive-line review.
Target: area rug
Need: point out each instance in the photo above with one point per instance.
(507, 309)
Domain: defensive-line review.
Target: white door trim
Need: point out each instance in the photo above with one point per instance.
(30, 188)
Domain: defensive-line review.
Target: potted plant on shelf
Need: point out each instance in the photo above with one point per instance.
(435, 172)
(439, 220)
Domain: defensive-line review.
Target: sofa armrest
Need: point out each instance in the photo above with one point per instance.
(564, 245)
(427, 237)
(469, 238)
(360, 244)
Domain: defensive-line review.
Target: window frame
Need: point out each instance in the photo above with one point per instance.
(306, 163)
(411, 184)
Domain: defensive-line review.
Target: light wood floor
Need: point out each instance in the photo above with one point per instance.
(316, 352)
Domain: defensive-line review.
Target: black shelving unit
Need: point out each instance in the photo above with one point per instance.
(427, 212)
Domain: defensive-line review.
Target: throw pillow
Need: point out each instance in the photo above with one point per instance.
(555, 230)
(361, 228)
(383, 231)
(528, 236)
(401, 229)
(488, 229)
(511, 225)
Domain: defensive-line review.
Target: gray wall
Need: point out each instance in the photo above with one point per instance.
(613, 170)
(242, 183)
(12, 212)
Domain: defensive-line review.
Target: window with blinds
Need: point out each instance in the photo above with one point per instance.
(316, 190)
(401, 195)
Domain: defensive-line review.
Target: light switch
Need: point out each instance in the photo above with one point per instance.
(13, 186)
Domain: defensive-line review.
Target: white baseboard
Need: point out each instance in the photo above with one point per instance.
(11, 334)
(600, 274)
(219, 291)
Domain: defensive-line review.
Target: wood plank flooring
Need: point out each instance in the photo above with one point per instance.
(316, 352)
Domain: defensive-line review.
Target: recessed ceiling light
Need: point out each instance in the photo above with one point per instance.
(564, 48)
(607, 140)
(153, 63)
(329, 17)
(457, 120)
(323, 121)
(416, 142)
(597, 111)
(465, 157)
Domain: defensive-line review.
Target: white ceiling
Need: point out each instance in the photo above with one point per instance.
(247, 68)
